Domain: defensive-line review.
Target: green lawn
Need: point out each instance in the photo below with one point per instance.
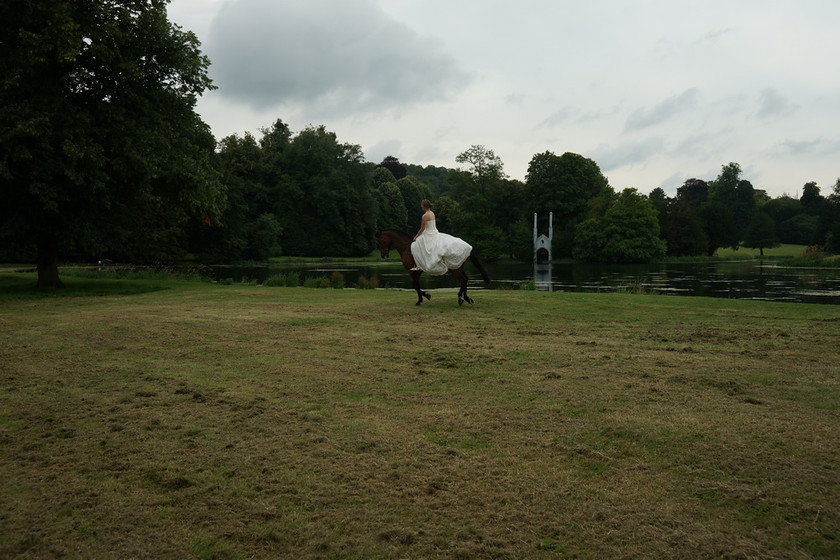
(192, 420)
(782, 251)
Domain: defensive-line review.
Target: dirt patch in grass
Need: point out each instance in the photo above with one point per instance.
(242, 422)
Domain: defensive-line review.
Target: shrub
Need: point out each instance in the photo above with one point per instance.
(288, 279)
(316, 282)
(371, 283)
(273, 281)
(813, 251)
(337, 280)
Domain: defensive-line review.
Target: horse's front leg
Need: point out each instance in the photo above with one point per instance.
(415, 276)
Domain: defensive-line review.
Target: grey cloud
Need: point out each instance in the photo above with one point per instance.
(695, 143)
(797, 147)
(331, 54)
(712, 36)
(563, 116)
(664, 111)
(703, 146)
(818, 146)
(773, 104)
(568, 115)
(630, 153)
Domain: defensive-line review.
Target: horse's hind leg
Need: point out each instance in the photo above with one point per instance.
(462, 293)
(467, 298)
(421, 294)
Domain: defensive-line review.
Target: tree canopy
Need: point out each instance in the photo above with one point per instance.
(737, 194)
(304, 194)
(563, 185)
(489, 209)
(626, 232)
(761, 233)
(103, 155)
(101, 148)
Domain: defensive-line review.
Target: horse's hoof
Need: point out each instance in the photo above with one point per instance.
(460, 301)
(427, 296)
(470, 301)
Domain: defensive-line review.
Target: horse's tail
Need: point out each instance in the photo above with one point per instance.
(480, 266)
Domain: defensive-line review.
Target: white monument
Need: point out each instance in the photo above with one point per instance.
(542, 255)
(542, 243)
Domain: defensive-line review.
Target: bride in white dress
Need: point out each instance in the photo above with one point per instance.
(435, 252)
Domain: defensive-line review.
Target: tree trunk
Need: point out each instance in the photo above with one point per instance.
(48, 263)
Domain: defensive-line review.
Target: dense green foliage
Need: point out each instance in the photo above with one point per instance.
(729, 212)
(761, 233)
(487, 206)
(564, 185)
(627, 232)
(101, 151)
(304, 194)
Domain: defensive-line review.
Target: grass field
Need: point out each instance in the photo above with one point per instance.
(191, 420)
(781, 252)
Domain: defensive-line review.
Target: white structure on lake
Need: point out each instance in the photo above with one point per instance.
(542, 255)
(542, 244)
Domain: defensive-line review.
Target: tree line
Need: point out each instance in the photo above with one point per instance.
(309, 195)
(103, 156)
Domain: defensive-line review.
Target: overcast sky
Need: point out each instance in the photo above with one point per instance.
(655, 92)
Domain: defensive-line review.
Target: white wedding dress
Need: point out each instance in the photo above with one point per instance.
(437, 252)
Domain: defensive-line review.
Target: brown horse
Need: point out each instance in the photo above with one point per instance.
(401, 242)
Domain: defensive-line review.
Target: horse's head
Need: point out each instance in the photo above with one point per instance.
(384, 243)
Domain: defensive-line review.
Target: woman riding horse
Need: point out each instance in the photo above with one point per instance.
(402, 243)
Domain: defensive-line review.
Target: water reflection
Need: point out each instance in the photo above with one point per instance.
(733, 279)
(542, 277)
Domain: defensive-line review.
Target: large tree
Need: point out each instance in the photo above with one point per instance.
(811, 198)
(761, 233)
(325, 206)
(393, 165)
(489, 212)
(719, 226)
(682, 229)
(240, 233)
(829, 223)
(563, 185)
(694, 192)
(628, 232)
(738, 195)
(413, 193)
(391, 207)
(100, 141)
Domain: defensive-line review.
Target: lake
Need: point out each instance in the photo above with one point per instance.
(724, 279)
